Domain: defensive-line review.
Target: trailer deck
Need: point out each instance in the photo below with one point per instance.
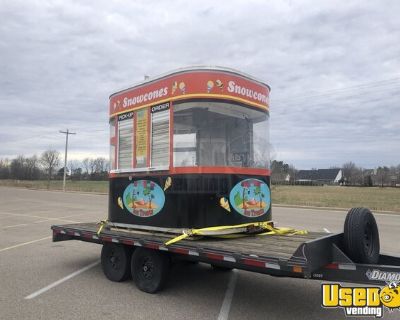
(280, 254)
(315, 255)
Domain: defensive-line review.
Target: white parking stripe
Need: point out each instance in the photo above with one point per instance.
(56, 283)
(15, 225)
(226, 304)
(326, 230)
(24, 244)
(46, 218)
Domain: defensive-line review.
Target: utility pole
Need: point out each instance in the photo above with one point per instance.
(67, 133)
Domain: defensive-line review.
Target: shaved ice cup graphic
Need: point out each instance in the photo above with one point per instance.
(143, 198)
(251, 198)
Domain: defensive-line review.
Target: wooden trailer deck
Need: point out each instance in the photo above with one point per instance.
(277, 252)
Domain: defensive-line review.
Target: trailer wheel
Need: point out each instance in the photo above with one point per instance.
(149, 269)
(115, 261)
(361, 236)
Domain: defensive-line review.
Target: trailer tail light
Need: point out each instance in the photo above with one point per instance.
(341, 266)
(297, 269)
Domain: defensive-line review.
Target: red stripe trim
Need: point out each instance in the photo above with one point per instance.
(152, 246)
(105, 238)
(180, 250)
(199, 170)
(254, 263)
(128, 242)
(86, 235)
(215, 256)
(332, 266)
(171, 135)
(237, 170)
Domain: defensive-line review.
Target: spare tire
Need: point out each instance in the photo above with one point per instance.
(361, 236)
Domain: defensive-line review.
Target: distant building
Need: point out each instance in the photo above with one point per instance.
(320, 176)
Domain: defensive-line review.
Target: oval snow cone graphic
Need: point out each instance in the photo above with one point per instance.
(144, 198)
(250, 197)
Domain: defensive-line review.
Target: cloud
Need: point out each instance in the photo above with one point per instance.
(333, 68)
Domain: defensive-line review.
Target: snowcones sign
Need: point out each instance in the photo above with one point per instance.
(250, 197)
(144, 198)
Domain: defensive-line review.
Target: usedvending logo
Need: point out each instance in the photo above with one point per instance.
(143, 198)
(362, 301)
(250, 197)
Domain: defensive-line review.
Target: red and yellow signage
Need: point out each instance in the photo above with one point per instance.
(192, 84)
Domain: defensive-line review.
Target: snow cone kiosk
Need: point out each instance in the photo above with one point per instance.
(189, 149)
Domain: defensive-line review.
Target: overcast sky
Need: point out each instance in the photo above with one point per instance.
(334, 70)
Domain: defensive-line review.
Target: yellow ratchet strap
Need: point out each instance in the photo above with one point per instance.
(259, 228)
(101, 225)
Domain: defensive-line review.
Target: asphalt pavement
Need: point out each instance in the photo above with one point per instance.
(40, 279)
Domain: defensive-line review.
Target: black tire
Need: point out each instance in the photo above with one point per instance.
(221, 268)
(361, 236)
(149, 269)
(115, 261)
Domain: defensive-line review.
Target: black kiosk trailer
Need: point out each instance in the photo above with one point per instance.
(189, 156)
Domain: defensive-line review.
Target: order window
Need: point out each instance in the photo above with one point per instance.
(160, 135)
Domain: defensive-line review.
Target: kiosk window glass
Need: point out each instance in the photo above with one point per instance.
(160, 136)
(125, 140)
(112, 157)
(220, 134)
(112, 144)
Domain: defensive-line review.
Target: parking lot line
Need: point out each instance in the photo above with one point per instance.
(326, 230)
(15, 225)
(58, 282)
(41, 217)
(226, 304)
(24, 244)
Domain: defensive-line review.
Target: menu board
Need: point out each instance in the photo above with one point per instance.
(141, 134)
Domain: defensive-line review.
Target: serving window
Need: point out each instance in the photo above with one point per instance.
(208, 133)
(143, 139)
(205, 134)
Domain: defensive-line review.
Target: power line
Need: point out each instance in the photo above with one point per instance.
(384, 84)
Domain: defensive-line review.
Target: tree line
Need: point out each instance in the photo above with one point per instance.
(48, 166)
(352, 175)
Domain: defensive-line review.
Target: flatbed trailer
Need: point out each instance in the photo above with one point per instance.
(189, 151)
(314, 255)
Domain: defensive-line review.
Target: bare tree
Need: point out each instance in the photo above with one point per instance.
(86, 165)
(99, 164)
(383, 176)
(50, 160)
(4, 168)
(92, 165)
(350, 172)
(17, 168)
(32, 168)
